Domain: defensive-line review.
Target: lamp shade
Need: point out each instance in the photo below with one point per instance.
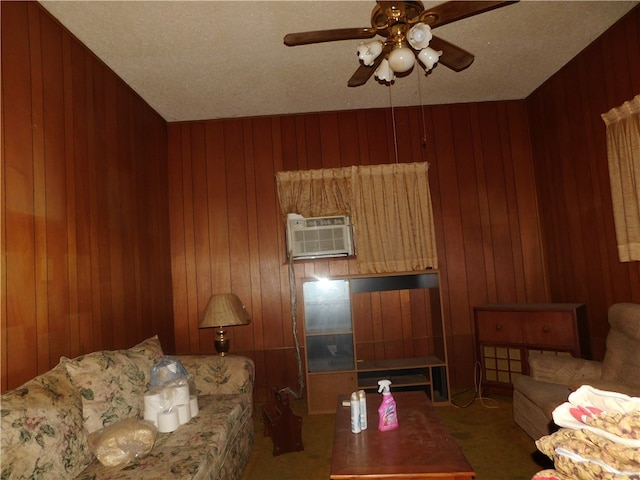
(224, 310)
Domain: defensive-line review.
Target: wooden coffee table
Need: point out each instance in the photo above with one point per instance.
(420, 448)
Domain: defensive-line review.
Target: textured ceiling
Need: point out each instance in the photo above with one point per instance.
(195, 60)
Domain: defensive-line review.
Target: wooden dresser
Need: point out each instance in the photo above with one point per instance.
(506, 333)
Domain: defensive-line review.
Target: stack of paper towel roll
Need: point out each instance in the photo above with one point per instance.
(169, 407)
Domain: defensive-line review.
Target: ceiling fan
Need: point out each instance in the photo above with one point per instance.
(406, 27)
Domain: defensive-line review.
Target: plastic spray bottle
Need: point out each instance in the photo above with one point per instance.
(387, 411)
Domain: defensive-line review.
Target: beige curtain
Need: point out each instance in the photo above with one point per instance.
(389, 206)
(623, 152)
(393, 218)
(315, 193)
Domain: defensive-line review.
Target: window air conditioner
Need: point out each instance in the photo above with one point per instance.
(318, 236)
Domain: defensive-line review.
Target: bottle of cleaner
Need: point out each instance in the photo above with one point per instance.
(387, 412)
(355, 413)
(363, 409)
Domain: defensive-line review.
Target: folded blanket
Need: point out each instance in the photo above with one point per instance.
(600, 438)
(583, 454)
(612, 415)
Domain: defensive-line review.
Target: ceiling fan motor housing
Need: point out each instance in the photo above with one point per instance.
(386, 15)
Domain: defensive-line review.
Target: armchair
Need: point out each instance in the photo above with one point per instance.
(552, 378)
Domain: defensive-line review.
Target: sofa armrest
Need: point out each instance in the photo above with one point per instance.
(213, 374)
(563, 370)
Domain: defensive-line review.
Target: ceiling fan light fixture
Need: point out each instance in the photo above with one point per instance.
(402, 59)
(369, 51)
(429, 57)
(384, 72)
(419, 36)
(407, 30)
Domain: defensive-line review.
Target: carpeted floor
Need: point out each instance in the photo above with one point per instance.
(495, 446)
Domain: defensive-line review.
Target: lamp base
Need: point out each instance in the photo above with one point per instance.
(221, 342)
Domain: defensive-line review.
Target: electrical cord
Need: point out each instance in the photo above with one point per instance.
(294, 326)
(477, 391)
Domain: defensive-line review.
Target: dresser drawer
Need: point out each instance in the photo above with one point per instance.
(497, 327)
(555, 330)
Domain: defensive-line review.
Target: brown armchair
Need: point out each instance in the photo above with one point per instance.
(552, 378)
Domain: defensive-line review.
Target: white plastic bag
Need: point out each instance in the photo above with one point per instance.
(122, 442)
(167, 370)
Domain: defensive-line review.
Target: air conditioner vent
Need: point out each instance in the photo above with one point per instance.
(318, 236)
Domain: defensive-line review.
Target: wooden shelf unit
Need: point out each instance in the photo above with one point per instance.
(506, 333)
(428, 373)
(387, 326)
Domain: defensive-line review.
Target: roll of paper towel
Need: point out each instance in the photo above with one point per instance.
(181, 395)
(165, 399)
(168, 421)
(152, 407)
(184, 413)
(193, 404)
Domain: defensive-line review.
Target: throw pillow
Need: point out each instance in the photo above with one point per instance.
(41, 429)
(112, 383)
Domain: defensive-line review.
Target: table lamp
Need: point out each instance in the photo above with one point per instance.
(223, 310)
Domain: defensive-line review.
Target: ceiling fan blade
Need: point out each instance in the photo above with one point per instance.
(451, 11)
(452, 56)
(364, 72)
(304, 38)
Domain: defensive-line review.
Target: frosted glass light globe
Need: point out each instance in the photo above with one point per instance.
(419, 36)
(429, 57)
(402, 59)
(384, 73)
(369, 51)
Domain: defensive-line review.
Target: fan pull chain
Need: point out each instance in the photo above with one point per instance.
(424, 123)
(393, 124)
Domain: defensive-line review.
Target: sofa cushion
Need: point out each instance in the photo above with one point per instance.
(112, 383)
(219, 417)
(213, 445)
(216, 374)
(42, 434)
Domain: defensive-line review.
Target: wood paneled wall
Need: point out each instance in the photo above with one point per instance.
(90, 249)
(397, 324)
(570, 157)
(227, 234)
(85, 235)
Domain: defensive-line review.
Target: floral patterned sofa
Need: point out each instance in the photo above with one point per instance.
(46, 422)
